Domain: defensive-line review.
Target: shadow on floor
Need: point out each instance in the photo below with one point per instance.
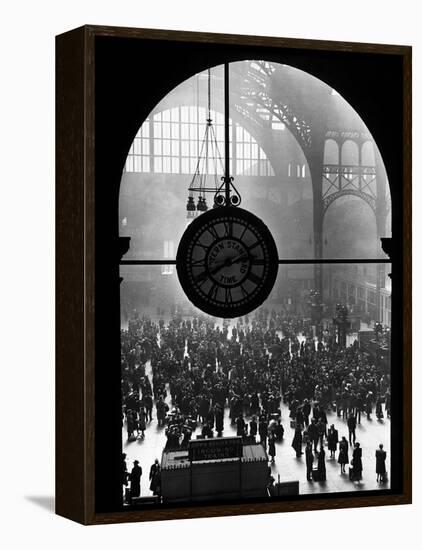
(46, 502)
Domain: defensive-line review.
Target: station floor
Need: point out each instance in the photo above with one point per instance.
(370, 433)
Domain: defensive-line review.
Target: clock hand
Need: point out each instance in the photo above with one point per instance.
(240, 258)
(217, 267)
(228, 262)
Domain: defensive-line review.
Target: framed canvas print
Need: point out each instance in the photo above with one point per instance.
(233, 274)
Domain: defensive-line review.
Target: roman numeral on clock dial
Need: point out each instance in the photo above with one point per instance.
(212, 292)
(229, 297)
(228, 228)
(254, 278)
(211, 229)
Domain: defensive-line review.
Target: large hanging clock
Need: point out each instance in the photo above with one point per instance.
(227, 262)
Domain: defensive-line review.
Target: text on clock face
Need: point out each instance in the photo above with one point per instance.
(231, 245)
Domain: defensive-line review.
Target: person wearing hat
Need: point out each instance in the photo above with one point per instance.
(332, 437)
(357, 462)
(155, 478)
(322, 474)
(369, 398)
(297, 442)
(380, 456)
(351, 424)
(313, 433)
(343, 456)
(306, 411)
(309, 460)
(135, 479)
(253, 427)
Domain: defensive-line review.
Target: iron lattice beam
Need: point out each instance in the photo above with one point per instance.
(328, 200)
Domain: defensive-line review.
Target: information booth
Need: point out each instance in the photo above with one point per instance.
(221, 468)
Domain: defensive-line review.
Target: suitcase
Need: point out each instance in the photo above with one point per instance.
(293, 424)
(351, 474)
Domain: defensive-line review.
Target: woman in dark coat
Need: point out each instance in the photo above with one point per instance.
(155, 478)
(343, 456)
(357, 462)
(271, 447)
(378, 408)
(299, 417)
(297, 442)
(253, 427)
(293, 408)
(388, 403)
(380, 456)
(135, 480)
(219, 419)
(332, 437)
(309, 460)
(142, 422)
(322, 474)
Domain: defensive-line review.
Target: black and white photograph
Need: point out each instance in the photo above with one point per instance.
(255, 294)
(211, 298)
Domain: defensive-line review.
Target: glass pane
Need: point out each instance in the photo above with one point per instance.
(343, 213)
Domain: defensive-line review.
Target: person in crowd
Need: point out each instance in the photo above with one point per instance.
(313, 434)
(359, 407)
(253, 427)
(240, 425)
(142, 422)
(388, 403)
(148, 404)
(321, 431)
(155, 478)
(357, 462)
(297, 442)
(309, 456)
(207, 431)
(306, 411)
(263, 432)
(162, 409)
(131, 420)
(135, 480)
(351, 424)
(322, 474)
(279, 430)
(332, 439)
(343, 455)
(378, 408)
(380, 458)
(271, 481)
(271, 446)
(300, 421)
(124, 472)
(187, 436)
(368, 404)
(219, 419)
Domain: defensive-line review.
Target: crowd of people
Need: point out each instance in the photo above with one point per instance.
(203, 368)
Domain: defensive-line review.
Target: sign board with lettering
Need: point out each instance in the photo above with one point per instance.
(215, 449)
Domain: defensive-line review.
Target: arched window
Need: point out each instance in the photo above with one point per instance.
(368, 155)
(350, 153)
(325, 234)
(331, 152)
(169, 142)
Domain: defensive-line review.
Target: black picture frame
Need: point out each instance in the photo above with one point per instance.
(96, 89)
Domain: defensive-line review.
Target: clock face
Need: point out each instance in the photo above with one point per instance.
(227, 262)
